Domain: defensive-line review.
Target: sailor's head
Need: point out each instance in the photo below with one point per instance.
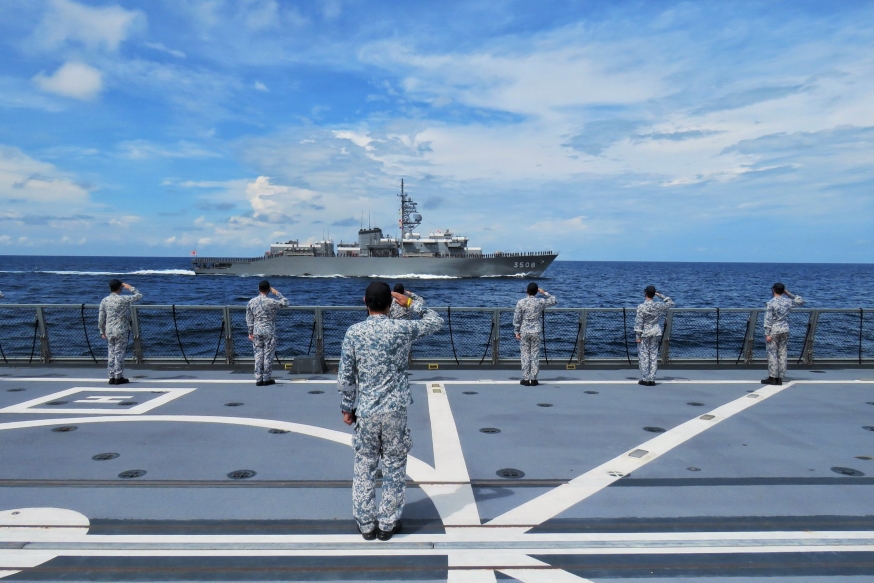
(650, 291)
(778, 288)
(399, 288)
(377, 297)
(115, 285)
(264, 286)
(532, 289)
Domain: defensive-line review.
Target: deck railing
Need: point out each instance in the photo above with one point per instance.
(66, 333)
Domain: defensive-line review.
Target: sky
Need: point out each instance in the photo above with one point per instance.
(639, 131)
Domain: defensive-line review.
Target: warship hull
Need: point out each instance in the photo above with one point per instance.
(507, 265)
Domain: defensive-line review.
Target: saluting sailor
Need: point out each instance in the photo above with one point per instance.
(261, 322)
(777, 331)
(648, 333)
(373, 374)
(528, 328)
(114, 323)
(398, 311)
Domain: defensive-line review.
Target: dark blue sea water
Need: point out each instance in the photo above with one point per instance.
(163, 280)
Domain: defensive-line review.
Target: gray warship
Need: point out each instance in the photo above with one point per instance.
(440, 254)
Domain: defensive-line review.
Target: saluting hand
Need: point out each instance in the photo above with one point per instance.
(126, 285)
(543, 291)
(274, 291)
(400, 299)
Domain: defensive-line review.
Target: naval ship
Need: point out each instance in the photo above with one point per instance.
(440, 254)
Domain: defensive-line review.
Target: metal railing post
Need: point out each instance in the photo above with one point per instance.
(496, 345)
(320, 334)
(666, 336)
(229, 336)
(581, 340)
(139, 356)
(750, 337)
(807, 349)
(45, 351)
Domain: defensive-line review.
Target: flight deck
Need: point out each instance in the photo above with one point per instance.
(192, 475)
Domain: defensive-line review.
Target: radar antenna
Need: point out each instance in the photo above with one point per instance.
(410, 218)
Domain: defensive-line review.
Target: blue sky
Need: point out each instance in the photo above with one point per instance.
(664, 131)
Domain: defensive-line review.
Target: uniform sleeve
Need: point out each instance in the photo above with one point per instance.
(668, 302)
(250, 319)
(549, 300)
(283, 301)
(430, 320)
(134, 297)
(1, 295)
(517, 319)
(347, 376)
(101, 318)
(638, 324)
(796, 300)
(769, 318)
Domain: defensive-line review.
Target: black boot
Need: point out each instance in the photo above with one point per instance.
(525, 382)
(777, 381)
(387, 534)
(769, 381)
(534, 382)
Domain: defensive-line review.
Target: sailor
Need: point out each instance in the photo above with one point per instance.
(777, 331)
(1, 295)
(527, 326)
(375, 394)
(398, 311)
(261, 321)
(648, 333)
(114, 324)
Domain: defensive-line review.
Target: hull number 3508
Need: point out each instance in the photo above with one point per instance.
(524, 264)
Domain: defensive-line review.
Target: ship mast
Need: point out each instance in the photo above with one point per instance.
(410, 218)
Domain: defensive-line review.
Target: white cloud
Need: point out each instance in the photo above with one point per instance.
(260, 86)
(142, 150)
(73, 79)
(94, 27)
(161, 48)
(571, 225)
(32, 182)
(125, 221)
(273, 199)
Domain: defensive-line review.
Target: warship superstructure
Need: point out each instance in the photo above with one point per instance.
(376, 254)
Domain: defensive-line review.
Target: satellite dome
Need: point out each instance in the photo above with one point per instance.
(416, 217)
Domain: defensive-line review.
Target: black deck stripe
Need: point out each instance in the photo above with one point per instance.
(707, 524)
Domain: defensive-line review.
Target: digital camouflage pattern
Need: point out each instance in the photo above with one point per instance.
(648, 330)
(114, 314)
(648, 357)
(777, 313)
(261, 314)
(373, 361)
(527, 324)
(373, 374)
(385, 436)
(648, 316)
(113, 320)
(398, 312)
(529, 312)
(261, 322)
(777, 354)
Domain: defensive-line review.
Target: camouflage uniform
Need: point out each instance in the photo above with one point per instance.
(777, 327)
(1, 295)
(398, 312)
(373, 371)
(261, 322)
(526, 323)
(114, 324)
(648, 330)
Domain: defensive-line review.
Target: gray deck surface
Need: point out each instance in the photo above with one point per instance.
(748, 495)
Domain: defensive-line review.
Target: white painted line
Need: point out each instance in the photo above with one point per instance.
(561, 498)
(543, 576)
(457, 503)
(112, 408)
(471, 576)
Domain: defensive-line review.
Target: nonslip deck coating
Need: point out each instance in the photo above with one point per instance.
(744, 483)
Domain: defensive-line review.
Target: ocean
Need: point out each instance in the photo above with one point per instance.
(577, 284)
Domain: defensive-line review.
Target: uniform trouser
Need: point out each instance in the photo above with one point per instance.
(777, 355)
(115, 360)
(265, 351)
(383, 436)
(529, 347)
(648, 356)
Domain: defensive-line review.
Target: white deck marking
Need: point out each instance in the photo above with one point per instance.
(446, 382)
(470, 576)
(548, 575)
(561, 498)
(456, 501)
(111, 408)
